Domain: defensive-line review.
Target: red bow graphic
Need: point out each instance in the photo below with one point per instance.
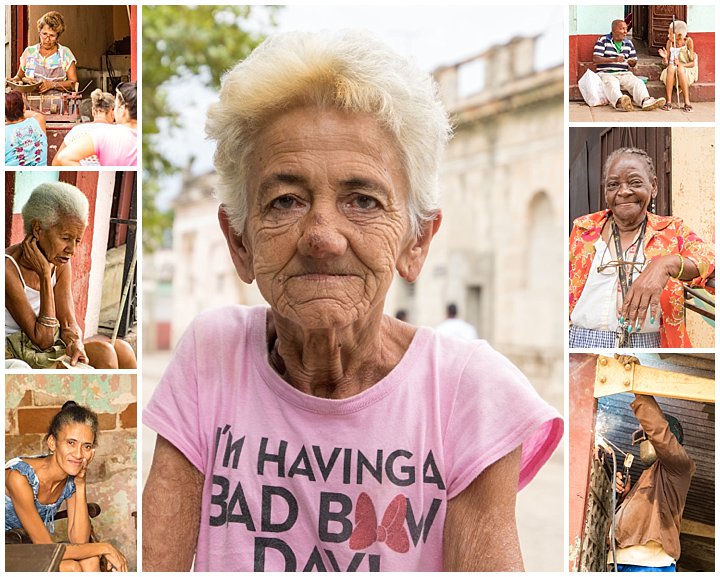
(390, 531)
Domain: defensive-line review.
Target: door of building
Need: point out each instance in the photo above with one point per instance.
(650, 24)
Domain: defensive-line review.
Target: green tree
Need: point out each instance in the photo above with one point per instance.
(179, 42)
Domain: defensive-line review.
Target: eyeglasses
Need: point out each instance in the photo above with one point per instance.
(610, 266)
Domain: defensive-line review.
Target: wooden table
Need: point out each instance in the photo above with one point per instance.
(34, 557)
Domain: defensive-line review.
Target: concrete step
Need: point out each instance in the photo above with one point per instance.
(699, 92)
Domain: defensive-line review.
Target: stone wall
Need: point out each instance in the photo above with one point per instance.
(31, 401)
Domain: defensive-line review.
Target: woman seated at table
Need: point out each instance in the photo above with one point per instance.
(103, 114)
(48, 61)
(40, 323)
(25, 133)
(36, 487)
(628, 265)
(113, 144)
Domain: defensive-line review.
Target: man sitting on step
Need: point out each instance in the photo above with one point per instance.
(613, 56)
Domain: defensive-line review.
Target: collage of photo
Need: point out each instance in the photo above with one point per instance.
(360, 288)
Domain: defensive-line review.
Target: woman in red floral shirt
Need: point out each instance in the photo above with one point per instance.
(634, 299)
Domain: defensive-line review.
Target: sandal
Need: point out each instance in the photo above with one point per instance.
(666, 106)
(687, 108)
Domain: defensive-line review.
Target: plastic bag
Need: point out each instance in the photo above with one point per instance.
(591, 88)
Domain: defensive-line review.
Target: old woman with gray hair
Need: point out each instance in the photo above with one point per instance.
(40, 324)
(319, 433)
(681, 63)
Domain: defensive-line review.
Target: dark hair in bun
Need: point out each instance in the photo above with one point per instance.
(71, 413)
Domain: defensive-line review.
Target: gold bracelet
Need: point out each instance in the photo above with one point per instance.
(682, 267)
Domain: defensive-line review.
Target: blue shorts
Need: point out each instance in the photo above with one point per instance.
(634, 568)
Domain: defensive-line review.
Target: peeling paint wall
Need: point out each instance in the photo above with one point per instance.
(693, 199)
(30, 403)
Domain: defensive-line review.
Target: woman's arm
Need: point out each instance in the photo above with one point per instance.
(171, 506)
(17, 304)
(70, 331)
(480, 528)
(73, 153)
(23, 500)
(665, 52)
(77, 510)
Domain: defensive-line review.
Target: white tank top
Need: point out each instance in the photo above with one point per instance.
(32, 295)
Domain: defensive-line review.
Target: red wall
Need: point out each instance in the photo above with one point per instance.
(581, 53)
(583, 408)
(82, 260)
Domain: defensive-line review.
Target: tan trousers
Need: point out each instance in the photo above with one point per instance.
(615, 83)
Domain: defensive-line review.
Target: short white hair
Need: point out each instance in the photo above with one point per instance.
(348, 71)
(49, 202)
(680, 27)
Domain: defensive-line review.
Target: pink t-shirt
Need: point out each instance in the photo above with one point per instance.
(298, 483)
(115, 145)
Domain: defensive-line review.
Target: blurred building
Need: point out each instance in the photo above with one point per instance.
(499, 252)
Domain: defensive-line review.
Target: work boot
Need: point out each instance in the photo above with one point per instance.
(651, 103)
(625, 103)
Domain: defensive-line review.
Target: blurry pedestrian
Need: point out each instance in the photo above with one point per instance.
(456, 327)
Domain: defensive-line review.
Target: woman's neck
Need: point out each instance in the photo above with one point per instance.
(336, 363)
(628, 226)
(48, 51)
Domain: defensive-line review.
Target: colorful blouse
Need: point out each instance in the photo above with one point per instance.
(53, 67)
(25, 144)
(664, 235)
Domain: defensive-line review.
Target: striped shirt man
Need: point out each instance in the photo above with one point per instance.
(606, 47)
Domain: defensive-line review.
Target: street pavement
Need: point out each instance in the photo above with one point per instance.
(581, 112)
(540, 505)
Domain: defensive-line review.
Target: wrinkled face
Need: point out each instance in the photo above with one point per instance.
(327, 217)
(629, 189)
(48, 37)
(73, 447)
(58, 243)
(619, 31)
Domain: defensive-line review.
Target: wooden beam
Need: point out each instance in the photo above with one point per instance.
(612, 377)
(697, 529)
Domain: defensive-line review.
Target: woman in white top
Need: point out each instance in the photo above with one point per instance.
(38, 284)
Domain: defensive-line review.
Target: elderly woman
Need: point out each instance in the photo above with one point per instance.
(103, 113)
(628, 265)
(40, 324)
(112, 144)
(682, 64)
(48, 61)
(319, 433)
(36, 487)
(25, 133)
